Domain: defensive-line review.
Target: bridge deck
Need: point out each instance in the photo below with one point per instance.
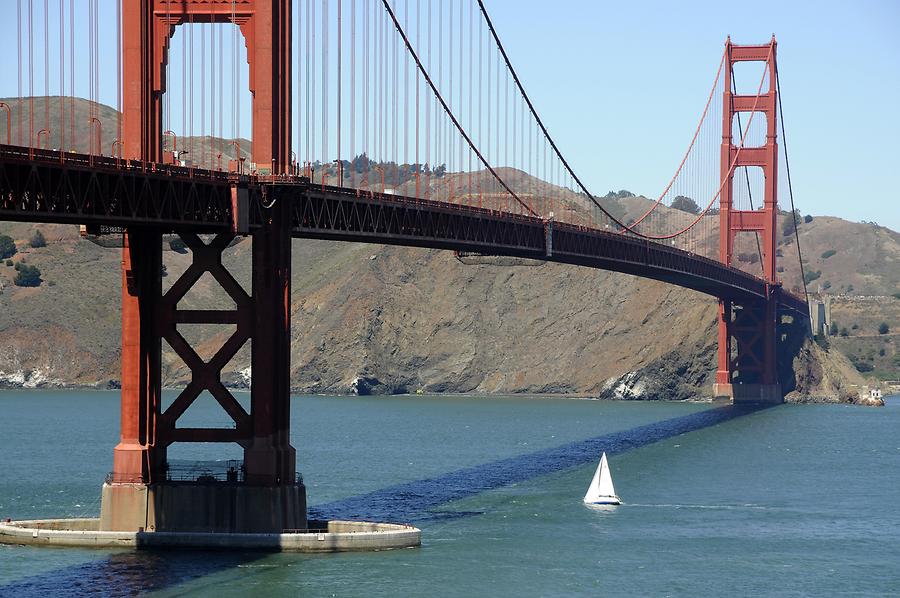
(57, 187)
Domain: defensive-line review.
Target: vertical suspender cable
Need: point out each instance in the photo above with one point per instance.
(446, 108)
(119, 73)
(460, 105)
(30, 75)
(184, 94)
(325, 77)
(46, 67)
(312, 75)
(19, 64)
(352, 91)
(428, 163)
(787, 165)
(418, 85)
(221, 95)
(191, 89)
(537, 118)
(62, 76)
(340, 53)
(405, 93)
(72, 140)
(203, 141)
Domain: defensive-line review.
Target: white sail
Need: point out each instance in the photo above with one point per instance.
(601, 491)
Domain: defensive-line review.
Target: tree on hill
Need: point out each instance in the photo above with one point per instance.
(38, 240)
(883, 328)
(685, 204)
(7, 247)
(620, 194)
(791, 219)
(27, 276)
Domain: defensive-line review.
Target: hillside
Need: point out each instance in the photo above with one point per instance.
(377, 319)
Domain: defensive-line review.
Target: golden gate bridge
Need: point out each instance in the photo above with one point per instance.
(395, 122)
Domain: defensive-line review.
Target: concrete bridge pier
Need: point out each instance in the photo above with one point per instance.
(748, 371)
(263, 494)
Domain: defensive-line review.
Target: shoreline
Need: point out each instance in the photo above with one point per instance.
(806, 400)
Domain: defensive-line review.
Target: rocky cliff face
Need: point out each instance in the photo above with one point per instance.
(369, 319)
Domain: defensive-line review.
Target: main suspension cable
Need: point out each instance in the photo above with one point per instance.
(540, 123)
(450, 114)
(787, 165)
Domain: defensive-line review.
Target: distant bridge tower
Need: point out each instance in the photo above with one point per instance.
(267, 497)
(747, 368)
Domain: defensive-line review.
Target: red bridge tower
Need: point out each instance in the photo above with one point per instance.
(747, 369)
(267, 497)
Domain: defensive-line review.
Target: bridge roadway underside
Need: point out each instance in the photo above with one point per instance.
(53, 187)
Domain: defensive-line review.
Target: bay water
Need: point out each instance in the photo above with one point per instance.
(785, 501)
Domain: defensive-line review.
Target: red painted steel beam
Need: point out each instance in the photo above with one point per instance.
(147, 27)
(763, 221)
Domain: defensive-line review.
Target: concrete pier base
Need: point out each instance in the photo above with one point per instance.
(214, 507)
(750, 393)
(324, 536)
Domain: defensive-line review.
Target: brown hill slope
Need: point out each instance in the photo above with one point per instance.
(370, 318)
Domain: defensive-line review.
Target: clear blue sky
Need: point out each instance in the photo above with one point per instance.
(621, 85)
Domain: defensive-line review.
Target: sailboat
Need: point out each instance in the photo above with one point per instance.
(601, 490)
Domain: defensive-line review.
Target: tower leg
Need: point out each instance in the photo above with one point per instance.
(263, 495)
(751, 376)
(137, 459)
(270, 459)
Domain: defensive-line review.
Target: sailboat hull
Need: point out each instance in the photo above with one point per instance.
(603, 500)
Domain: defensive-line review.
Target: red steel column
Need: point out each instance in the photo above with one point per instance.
(269, 51)
(724, 367)
(134, 458)
(144, 41)
(271, 459)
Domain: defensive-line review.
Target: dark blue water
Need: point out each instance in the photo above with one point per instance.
(783, 501)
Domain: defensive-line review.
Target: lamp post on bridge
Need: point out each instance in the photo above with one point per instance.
(8, 122)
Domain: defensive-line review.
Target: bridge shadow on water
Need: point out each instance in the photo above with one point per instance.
(137, 572)
(412, 501)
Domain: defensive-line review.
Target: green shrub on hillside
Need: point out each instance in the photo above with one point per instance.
(863, 367)
(27, 276)
(177, 245)
(38, 240)
(812, 275)
(9, 262)
(807, 219)
(828, 254)
(789, 223)
(883, 328)
(7, 247)
(685, 204)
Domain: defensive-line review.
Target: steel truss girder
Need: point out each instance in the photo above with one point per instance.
(205, 375)
(106, 191)
(80, 189)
